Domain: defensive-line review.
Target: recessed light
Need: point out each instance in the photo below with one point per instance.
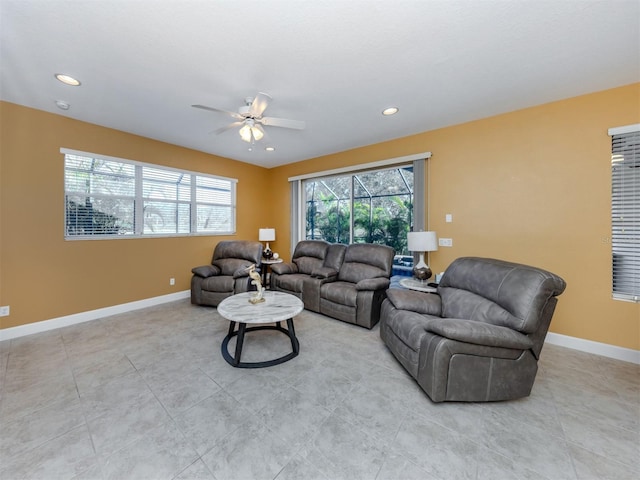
(270, 149)
(390, 111)
(67, 80)
(62, 105)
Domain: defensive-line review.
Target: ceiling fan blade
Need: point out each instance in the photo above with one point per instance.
(212, 109)
(283, 122)
(259, 104)
(226, 127)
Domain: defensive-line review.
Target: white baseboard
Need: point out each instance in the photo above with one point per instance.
(45, 325)
(597, 348)
(588, 346)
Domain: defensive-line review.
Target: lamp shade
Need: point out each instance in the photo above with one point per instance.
(422, 241)
(267, 234)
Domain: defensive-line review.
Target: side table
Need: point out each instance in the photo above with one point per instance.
(418, 285)
(267, 266)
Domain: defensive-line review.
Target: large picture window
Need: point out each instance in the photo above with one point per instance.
(364, 207)
(107, 197)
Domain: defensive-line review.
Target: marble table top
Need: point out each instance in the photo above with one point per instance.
(278, 306)
(417, 285)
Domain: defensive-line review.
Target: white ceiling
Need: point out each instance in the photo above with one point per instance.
(334, 64)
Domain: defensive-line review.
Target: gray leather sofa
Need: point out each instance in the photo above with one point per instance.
(227, 274)
(313, 263)
(480, 337)
(344, 282)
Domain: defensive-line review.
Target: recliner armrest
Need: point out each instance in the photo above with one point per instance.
(373, 284)
(324, 272)
(284, 268)
(479, 333)
(419, 302)
(206, 271)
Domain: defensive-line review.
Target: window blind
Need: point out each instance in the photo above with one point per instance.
(625, 212)
(112, 197)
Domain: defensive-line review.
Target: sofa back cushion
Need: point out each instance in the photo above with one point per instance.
(366, 260)
(309, 255)
(231, 255)
(497, 292)
(335, 256)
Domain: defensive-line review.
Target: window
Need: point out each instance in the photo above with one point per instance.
(108, 197)
(389, 198)
(364, 207)
(625, 212)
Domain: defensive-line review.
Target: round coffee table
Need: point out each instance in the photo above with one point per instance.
(277, 307)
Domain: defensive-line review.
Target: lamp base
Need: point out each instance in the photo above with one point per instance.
(422, 273)
(267, 253)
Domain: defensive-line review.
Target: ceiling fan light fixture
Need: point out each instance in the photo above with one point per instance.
(257, 133)
(251, 132)
(245, 133)
(251, 121)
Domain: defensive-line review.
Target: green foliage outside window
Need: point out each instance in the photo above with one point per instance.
(382, 209)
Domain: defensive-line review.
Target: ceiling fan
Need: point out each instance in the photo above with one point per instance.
(250, 120)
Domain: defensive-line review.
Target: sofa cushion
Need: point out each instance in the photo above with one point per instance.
(206, 271)
(353, 272)
(343, 293)
(363, 260)
(335, 256)
(229, 266)
(284, 268)
(309, 255)
(238, 249)
(458, 303)
(479, 333)
(307, 265)
(419, 302)
(497, 292)
(373, 284)
(218, 284)
(293, 282)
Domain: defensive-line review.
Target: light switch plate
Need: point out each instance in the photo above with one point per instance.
(445, 242)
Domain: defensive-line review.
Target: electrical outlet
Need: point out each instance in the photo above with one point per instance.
(4, 311)
(445, 242)
(172, 281)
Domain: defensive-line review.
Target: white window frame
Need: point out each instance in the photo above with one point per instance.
(194, 194)
(625, 212)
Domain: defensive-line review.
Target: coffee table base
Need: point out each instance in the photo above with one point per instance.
(242, 328)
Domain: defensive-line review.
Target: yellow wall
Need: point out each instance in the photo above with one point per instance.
(42, 276)
(531, 186)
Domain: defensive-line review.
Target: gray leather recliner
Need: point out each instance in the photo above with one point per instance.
(480, 337)
(227, 274)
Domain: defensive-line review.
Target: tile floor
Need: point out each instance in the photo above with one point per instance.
(147, 395)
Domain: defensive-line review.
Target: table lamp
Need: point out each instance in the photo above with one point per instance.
(267, 235)
(422, 242)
